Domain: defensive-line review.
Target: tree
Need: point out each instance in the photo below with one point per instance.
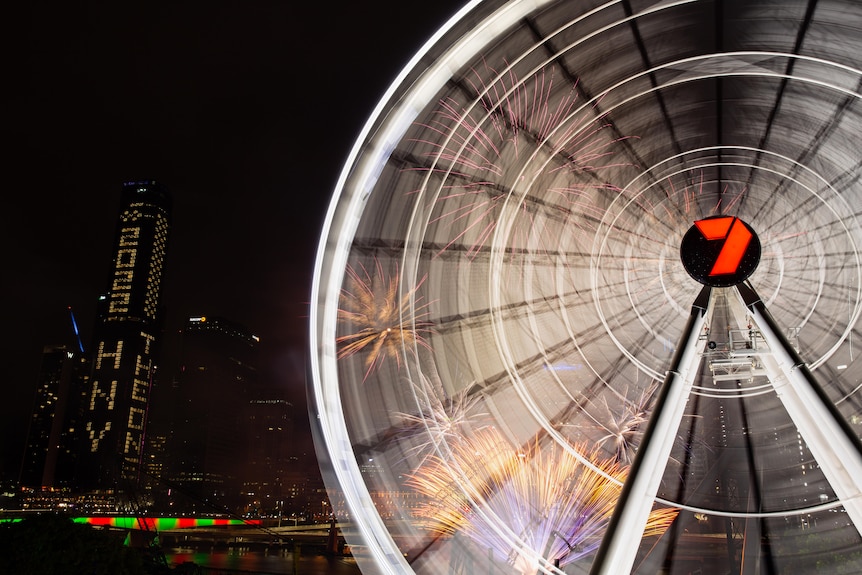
(52, 544)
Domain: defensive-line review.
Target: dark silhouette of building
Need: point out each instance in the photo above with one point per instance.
(205, 408)
(270, 485)
(125, 338)
(49, 453)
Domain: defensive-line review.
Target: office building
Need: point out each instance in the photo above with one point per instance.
(49, 453)
(124, 349)
(205, 410)
(271, 484)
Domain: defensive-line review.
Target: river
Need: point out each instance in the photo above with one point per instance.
(248, 561)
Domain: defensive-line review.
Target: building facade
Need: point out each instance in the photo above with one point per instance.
(124, 349)
(271, 484)
(49, 454)
(205, 411)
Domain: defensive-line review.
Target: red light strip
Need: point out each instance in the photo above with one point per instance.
(714, 228)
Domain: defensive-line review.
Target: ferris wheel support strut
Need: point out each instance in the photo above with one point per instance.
(829, 437)
(617, 551)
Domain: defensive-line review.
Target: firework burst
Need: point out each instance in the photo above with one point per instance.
(555, 507)
(624, 422)
(445, 420)
(378, 318)
(489, 148)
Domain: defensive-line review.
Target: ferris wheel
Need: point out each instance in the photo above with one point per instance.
(501, 295)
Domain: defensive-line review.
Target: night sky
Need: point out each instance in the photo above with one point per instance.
(246, 111)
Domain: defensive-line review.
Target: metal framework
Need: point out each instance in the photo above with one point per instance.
(835, 447)
(501, 258)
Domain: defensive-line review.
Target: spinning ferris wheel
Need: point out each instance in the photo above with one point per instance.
(513, 368)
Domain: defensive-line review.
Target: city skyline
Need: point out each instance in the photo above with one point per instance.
(248, 134)
(175, 419)
(513, 359)
(193, 423)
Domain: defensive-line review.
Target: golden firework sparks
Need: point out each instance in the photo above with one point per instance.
(554, 505)
(378, 317)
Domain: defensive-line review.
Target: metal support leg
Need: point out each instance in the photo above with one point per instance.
(832, 442)
(619, 547)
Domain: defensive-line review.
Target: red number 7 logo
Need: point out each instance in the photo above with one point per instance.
(736, 238)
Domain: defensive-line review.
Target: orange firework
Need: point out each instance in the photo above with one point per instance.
(378, 318)
(554, 506)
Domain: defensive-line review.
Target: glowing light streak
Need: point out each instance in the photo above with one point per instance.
(624, 424)
(557, 506)
(481, 143)
(161, 523)
(75, 329)
(445, 420)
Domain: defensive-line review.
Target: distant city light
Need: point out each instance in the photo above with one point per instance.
(158, 523)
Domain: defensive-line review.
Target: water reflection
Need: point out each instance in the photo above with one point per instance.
(261, 561)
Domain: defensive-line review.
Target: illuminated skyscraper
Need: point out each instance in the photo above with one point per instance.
(124, 344)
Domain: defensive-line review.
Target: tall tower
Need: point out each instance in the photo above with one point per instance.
(124, 344)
